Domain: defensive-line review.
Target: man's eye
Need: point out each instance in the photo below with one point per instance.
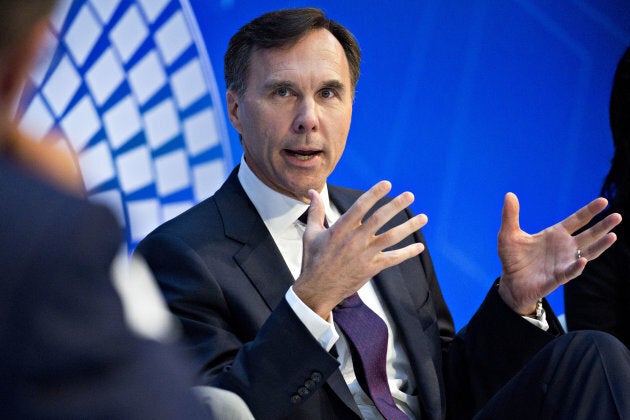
(283, 91)
(327, 93)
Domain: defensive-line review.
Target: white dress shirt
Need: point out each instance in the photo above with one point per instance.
(280, 214)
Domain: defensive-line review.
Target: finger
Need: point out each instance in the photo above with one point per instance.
(584, 215)
(510, 214)
(396, 256)
(388, 211)
(574, 270)
(316, 212)
(396, 234)
(583, 239)
(596, 248)
(365, 202)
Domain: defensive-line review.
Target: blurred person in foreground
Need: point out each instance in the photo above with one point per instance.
(70, 349)
(600, 297)
(341, 316)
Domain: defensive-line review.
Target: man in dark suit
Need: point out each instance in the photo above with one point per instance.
(67, 348)
(264, 296)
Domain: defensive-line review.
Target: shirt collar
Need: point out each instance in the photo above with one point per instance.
(277, 210)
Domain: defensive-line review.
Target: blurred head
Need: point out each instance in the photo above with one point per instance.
(617, 184)
(22, 26)
(291, 77)
(17, 19)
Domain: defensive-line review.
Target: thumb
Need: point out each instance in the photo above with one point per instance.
(316, 211)
(510, 213)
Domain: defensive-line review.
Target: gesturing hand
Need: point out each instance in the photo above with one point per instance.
(338, 261)
(535, 265)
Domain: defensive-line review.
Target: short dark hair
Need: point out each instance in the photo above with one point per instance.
(280, 29)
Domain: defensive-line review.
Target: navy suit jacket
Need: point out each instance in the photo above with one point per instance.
(66, 351)
(225, 279)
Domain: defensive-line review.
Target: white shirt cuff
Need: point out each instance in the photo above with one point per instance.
(323, 331)
(539, 322)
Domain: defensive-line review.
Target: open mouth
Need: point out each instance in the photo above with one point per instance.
(303, 154)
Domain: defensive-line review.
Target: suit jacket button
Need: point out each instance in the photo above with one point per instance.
(295, 398)
(302, 391)
(310, 384)
(316, 376)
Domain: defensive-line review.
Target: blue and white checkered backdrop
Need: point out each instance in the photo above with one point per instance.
(131, 88)
(459, 102)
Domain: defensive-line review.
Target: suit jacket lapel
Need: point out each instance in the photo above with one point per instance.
(397, 299)
(259, 257)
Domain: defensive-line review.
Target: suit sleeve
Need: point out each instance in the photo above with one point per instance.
(268, 357)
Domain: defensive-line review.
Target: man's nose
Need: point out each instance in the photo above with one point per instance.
(306, 118)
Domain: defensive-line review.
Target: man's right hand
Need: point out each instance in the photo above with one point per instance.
(338, 261)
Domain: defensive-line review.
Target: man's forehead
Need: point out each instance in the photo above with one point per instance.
(316, 51)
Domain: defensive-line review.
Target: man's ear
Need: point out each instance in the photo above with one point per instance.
(233, 104)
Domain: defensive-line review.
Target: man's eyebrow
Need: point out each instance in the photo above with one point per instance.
(328, 84)
(277, 84)
(334, 84)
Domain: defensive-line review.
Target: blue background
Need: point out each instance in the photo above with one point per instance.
(463, 101)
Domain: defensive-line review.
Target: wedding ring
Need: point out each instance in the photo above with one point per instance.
(578, 254)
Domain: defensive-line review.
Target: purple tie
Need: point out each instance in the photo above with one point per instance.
(367, 336)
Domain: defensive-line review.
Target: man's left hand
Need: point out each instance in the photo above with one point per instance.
(535, 265)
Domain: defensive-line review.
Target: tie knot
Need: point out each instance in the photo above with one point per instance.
(304, 219)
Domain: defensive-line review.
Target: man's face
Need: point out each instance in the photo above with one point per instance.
(294, 117)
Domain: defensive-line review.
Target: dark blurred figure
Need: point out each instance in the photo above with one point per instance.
(600, 297)
(66, 348)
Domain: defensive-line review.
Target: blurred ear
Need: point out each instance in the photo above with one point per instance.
(233, 104)
(17, 62)
(46, 160)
